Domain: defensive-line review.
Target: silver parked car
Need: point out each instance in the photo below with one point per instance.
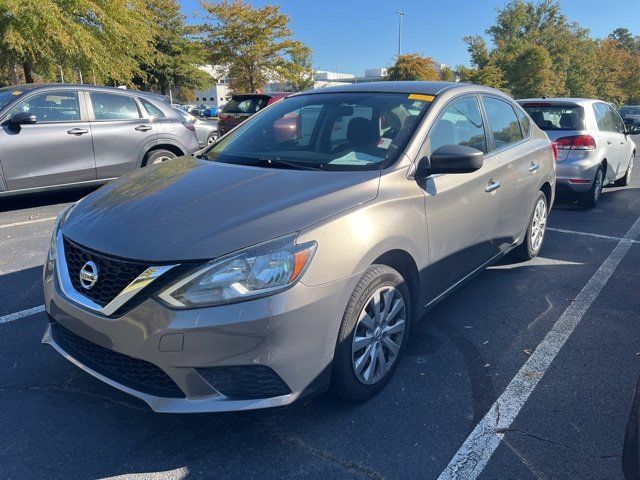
(594, 146)
(295, 253)
(56, 136)
(206, 130)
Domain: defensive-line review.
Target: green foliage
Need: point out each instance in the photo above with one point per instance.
(255, 44)
(447, 75)
(413, 66)
(176, 52)
(101, 38)
(537, 51)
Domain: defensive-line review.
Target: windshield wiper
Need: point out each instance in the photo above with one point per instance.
(276, 162)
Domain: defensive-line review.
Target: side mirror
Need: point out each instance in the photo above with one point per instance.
(450, 159)
(23, 118)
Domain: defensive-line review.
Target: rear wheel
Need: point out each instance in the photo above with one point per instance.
(590, 199)
(158, 156)
(373, 334)
(532, 243)
(212, 138)
(626, 180)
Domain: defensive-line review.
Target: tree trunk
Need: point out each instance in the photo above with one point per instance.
(28, 72)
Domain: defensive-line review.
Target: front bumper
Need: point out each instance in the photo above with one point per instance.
(287, 338)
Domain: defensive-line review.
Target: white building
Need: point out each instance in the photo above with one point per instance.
(219, 93)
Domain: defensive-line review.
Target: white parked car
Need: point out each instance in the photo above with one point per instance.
(594, 146)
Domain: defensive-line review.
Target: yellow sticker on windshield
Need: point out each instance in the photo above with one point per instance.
(420, 96)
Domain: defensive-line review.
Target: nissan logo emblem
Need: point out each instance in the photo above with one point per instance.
(88, 275)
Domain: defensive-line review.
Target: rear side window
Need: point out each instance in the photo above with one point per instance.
(107, 106)
(503, 122)
(50, 107)
(151, 109)
(459, 124)
(618, 124)
(525, 122)
(556, 117)
(246, 104)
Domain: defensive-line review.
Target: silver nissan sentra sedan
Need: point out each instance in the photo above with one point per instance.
(295, 253)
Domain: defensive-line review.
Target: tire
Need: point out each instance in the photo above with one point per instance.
(157, 156)
(212, 137)
(532, 243)
(361, 368)
(626, 180)
(590, 199)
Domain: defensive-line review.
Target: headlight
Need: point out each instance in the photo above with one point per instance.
(257, 271)
(53, 245)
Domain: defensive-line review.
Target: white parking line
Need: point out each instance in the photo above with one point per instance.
(475, 452)
(595, 235)
(24, 313)
(28, 222)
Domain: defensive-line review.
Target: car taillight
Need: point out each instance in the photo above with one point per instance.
(189, 126)
(554, 147)
(576, 142)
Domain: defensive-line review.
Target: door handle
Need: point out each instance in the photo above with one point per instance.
(492, 187)
(143, 128)
(77, 131)
(609, 142)
(533, 166)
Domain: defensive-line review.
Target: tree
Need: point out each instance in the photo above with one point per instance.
(299, 73)
(532, 75)
(447, 75)
(176, 53)
(625, 39)
(413, 66)
(255, 43)
(98, 37)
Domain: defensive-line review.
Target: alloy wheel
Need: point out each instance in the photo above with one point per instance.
(378, 335)
(160, 159)
(538, 225)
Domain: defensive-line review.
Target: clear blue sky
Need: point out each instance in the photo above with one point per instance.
(351, 35)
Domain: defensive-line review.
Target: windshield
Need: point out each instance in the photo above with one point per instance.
(630, 111)
(8, 95)
(556, 117)
(246, 104)
(329, 131)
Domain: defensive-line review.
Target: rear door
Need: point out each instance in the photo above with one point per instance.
(625, 148)
(120, 133)
(462, 209)
(56, 150)
(518, 169)
(610, 135)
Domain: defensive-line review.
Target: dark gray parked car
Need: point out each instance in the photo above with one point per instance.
(297, 250)
(55, 136)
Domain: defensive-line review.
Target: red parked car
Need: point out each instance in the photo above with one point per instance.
(241, 107)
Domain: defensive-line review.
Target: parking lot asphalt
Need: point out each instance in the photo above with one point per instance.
(57, 422)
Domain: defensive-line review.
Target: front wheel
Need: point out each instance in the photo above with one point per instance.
(532, 243)
(626, 180)
(373, 334)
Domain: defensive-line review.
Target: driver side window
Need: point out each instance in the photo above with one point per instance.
(48, 107)
(459, 124)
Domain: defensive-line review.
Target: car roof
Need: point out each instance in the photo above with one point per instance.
(65, 86)
(575, 100)
(408, 87)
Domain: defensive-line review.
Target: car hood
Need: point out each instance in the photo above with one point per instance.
(191, 209)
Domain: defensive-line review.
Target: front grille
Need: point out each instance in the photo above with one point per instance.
(131, 372)
(245, 381)
(113, 274)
